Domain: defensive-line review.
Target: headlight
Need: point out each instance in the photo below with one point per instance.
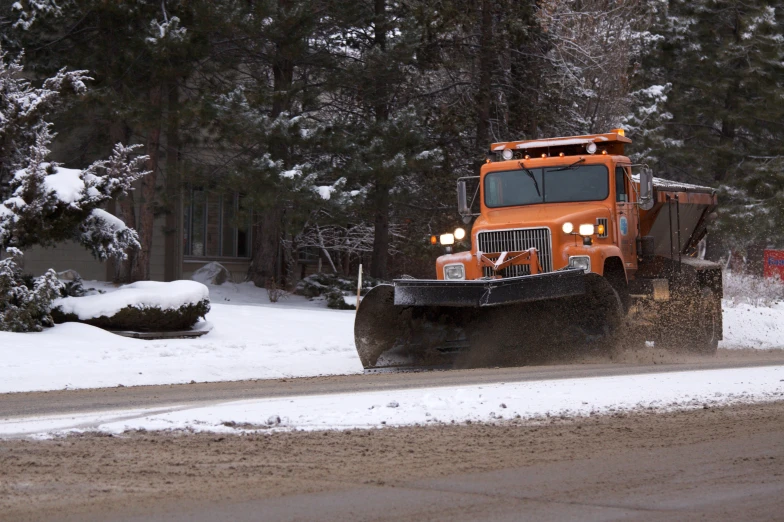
(449, 239)
(567, 228)
(459, 233)
(507, 154)
(583, 262)
(454, 272)
(585, 230)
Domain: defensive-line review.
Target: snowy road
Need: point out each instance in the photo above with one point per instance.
(366, 401)
(707, 464)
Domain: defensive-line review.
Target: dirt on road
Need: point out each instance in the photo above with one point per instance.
(630, 362)
(102, 477)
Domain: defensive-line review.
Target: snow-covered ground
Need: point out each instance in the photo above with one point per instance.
(476, 403)
(251, 339)
(255, 339)
(747, 326)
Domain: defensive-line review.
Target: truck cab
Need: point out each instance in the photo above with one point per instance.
(572, 199)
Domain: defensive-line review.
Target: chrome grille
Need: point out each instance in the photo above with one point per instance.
(497, 241)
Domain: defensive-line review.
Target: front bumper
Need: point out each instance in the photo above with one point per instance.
(489, 292)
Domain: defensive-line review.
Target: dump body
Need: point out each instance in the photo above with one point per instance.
(679, 217)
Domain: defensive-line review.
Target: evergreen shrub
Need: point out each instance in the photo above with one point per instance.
(333, 287)
(143, 319)
(25, 302)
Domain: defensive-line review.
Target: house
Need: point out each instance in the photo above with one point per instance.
(205, 229)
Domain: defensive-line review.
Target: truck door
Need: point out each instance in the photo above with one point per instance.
(627, 218)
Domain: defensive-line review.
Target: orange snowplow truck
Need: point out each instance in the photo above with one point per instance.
(571, 245)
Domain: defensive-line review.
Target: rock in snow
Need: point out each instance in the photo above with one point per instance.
(212, 273)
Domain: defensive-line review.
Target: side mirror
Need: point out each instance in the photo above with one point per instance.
(462, 199)
(646, 188)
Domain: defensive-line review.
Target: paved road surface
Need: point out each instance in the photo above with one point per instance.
(73, 401)
(715, 464)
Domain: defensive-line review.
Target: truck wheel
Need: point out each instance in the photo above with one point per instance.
(693, 325)
(705, 324)
(598, 316)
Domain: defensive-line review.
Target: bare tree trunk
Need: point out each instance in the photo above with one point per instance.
(266, 263)
(324, 251)
(378, 261)
(125, 208)
(140, 270)
(266, 237)
(485, 75)
(173, 260)
(381, 206)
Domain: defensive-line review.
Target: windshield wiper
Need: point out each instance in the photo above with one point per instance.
(569, 166)
(531, 175)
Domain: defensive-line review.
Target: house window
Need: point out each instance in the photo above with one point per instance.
(214, 226)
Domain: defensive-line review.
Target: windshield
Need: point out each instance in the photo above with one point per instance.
(509, 188)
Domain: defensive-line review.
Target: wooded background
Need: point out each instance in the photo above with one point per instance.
(380, 105)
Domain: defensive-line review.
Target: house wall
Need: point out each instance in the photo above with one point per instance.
(64, 256)
(71, 255)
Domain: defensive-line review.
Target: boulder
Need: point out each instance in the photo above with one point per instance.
(212, 273)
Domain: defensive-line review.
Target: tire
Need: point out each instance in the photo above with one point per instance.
(704, 333)
(597, 317)
(692, 325)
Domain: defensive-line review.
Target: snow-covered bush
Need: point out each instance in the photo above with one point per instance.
(145, 306)
(275, 292)
(25, 305)
(73, 287)
(753, 290)
(334, 287)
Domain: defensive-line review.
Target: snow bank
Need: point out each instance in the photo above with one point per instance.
(251, 339)
(492, 403)
(143, 294)
(260, 341)
(748, 326)
(753, 290)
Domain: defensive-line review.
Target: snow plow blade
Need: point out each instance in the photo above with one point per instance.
(428, 323)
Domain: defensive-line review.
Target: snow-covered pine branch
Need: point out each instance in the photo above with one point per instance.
(49, 204)
(41, 202)
(24, 108)
(25, 309)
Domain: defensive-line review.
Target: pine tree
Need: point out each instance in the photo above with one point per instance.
(44, 203)
(139, 55)
(720, 64)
